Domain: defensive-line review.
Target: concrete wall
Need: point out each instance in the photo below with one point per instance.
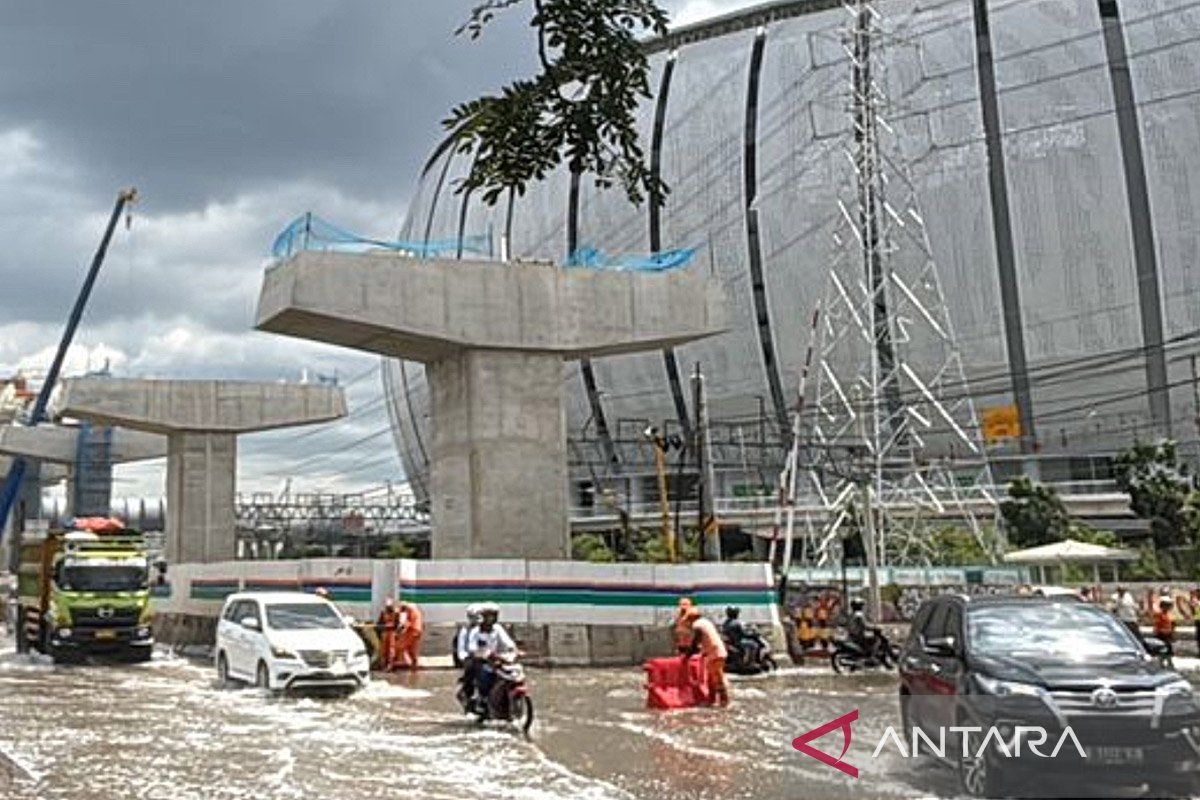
(563, 613)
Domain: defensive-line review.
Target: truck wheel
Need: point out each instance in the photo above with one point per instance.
(22, 637)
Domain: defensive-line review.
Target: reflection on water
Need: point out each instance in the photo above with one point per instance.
(164, 730)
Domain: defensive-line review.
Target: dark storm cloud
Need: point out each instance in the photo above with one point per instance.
(201, 100)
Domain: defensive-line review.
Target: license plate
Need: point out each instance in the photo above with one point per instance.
(106, 634)
(1115, 756)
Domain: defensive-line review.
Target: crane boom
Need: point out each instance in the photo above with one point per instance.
(16, 472)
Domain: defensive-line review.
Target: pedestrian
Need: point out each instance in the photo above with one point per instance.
(1125, 607)
(388, 623)
(706, 640)
(682, 627)
(1164, 625)
(410, 636)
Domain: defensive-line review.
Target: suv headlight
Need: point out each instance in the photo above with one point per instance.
(999, 688)
(284, 653)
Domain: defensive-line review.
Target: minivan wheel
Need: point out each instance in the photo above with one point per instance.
(262, 678)
(223, 678)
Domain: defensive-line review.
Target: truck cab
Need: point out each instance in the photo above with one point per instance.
(85, 591)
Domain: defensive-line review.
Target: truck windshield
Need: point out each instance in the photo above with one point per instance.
(302, 616)
(79, 578)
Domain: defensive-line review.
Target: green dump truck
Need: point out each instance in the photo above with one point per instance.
(83, 592)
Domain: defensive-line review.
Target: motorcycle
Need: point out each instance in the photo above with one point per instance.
(751, 654)
(875, 651)
(507, 701)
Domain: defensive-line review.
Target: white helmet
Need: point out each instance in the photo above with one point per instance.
(473, 614)
(488, 608)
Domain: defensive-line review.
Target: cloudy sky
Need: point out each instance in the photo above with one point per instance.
(231, 117)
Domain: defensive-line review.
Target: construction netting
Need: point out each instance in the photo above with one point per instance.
(310, 232)
(592, 258)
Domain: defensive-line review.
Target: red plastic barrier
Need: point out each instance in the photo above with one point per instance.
(676, 683)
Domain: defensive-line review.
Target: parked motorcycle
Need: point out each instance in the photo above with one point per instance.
(751, 654)
(874, 652)
(507, 701)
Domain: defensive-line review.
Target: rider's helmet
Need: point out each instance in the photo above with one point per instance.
(321, 592)
(857, 604)
(732, 612)
(473, 614)
(489, 609)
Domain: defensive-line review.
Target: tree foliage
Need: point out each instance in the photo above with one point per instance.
(1034, 514)
(581, 107)
(1162, 491)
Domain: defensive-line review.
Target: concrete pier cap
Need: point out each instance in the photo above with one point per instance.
(494, 336)
(201, 420)
(59, 444)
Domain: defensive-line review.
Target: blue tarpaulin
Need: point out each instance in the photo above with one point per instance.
(310, 232)
(592, 258)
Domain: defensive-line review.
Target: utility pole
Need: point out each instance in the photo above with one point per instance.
(660, 444)
(1195, 399)
(709, 528)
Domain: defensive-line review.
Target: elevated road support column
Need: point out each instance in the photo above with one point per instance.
(495, 336)
(201, 420)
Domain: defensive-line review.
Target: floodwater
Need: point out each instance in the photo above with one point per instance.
(165, 730)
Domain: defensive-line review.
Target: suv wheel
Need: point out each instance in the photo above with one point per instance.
(978, 773)
(262, 677)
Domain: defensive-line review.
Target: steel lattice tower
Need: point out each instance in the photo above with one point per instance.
(891, 417)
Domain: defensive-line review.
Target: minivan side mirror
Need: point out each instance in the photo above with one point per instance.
(941, 646)
(1155, 646)
(250, 622)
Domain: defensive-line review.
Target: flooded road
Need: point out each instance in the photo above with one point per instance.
(165, 730)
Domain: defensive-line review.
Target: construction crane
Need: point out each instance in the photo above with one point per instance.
(16, 472)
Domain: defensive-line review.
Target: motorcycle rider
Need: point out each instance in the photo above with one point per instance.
(860, 632)
(734, 632)
(462, 637)
(488, 641)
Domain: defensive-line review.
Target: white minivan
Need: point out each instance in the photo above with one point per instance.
(288, 640)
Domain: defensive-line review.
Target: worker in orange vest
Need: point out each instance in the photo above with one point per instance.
(683, 625)
(387, 624)
(413, 628)
(1164, 625)
(706, 640)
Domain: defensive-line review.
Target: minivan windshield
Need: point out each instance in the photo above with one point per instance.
(1065, 631)
(303, 616)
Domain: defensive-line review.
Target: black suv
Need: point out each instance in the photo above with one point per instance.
(1008, 667)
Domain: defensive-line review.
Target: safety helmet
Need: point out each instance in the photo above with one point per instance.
(321, 592)
(489, 608)
(857, 604)
(473, 612)
(732, 612)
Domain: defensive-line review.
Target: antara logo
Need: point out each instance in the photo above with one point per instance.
(1004, 741)
(801, 743)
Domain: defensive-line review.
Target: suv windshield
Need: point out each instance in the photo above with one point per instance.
(302, 616)
(102, 579)
(1067, 631)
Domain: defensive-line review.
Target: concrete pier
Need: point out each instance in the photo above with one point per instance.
(201, 420)
(494, 336)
